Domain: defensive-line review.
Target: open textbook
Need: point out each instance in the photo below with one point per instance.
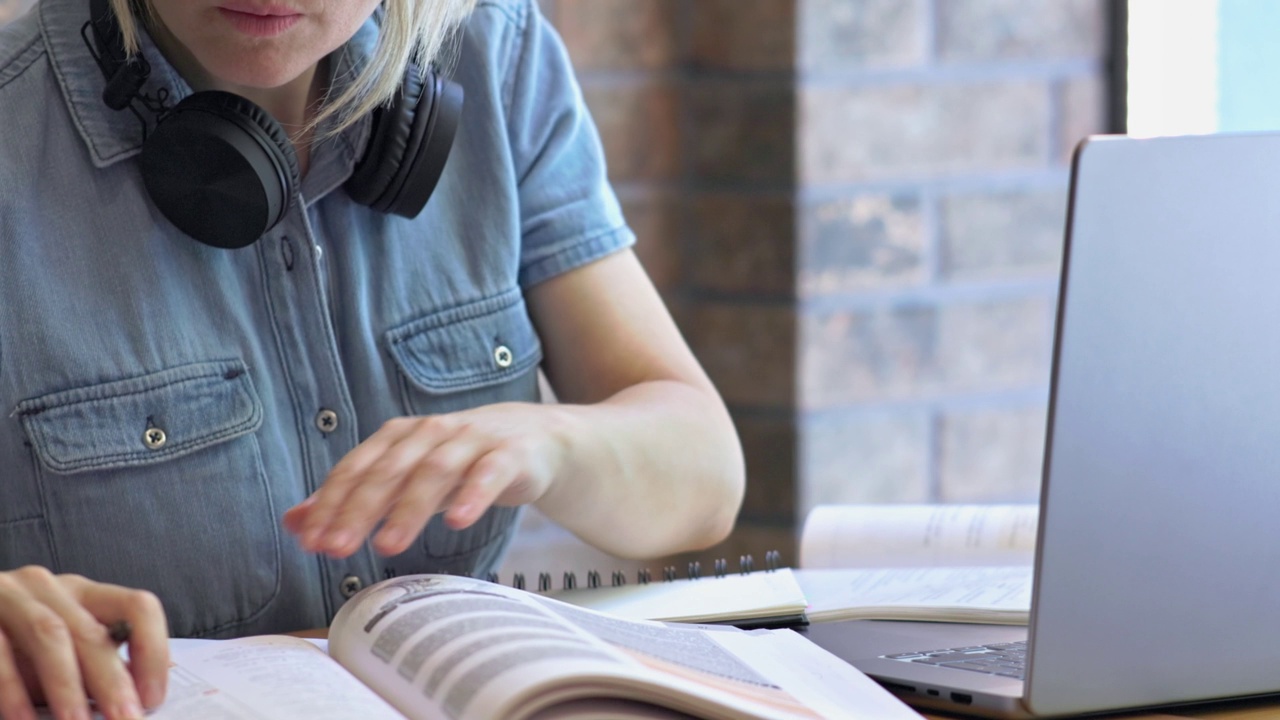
(945, 563)
(438, 646)
(866, 536)
(954, 563)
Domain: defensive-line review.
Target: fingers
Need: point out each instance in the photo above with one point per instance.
(35, 631)
(404, 467)
(15, 703)
(70, 649)
(403, 457)
(53, 631)
(426, 490)
(148, 637)
(311, 519)
(495, 474)
(422, 489)
(413, 467)
(295, 517)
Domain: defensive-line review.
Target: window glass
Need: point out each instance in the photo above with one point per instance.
(1200, 66)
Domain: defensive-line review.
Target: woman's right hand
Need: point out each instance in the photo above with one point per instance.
(56, 649)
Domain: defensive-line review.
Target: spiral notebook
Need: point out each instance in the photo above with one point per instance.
(747, 595)
(942, 563)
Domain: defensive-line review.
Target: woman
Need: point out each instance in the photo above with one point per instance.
(368, 372)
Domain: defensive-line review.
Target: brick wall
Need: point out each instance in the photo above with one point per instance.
(932, 169)
(855, 209)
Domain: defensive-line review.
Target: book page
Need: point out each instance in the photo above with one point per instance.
(270, 677)
(760, 594)
(261, 678)
(691, 658)
(439, 646)
(862, 536)
(435, 646)
(829, 685)
(1000, 595)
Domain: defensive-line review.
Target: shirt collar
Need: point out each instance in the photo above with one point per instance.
(112, 135)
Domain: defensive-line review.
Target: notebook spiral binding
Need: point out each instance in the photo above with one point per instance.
(644, 576)
(719, 569)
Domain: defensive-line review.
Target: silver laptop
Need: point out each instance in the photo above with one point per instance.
(1158, 560)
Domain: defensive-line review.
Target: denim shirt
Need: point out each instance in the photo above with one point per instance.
(164, 402)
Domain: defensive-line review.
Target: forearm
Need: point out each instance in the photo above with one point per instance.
(653, 470)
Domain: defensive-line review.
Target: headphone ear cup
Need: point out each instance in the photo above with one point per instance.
(220, 168)
(408, 146)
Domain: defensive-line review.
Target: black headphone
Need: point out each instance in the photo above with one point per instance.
(223, 171)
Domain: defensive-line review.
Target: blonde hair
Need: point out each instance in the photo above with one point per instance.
(411, 31)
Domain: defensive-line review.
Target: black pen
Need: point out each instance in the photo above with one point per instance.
(119, 631)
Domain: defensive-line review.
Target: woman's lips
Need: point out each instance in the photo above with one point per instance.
(268, 24)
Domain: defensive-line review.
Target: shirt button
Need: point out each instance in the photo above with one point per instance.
(327, 421)
(503, 356)
(350, 586)
(154, 438)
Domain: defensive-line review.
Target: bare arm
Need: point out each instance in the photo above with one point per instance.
(640, 458)
(655, 466)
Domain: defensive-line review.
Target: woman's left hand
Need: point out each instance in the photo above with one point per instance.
(414, 467)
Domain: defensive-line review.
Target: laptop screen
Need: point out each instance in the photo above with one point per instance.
(1156, 576)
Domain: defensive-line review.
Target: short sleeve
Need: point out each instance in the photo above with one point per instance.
(569, 214)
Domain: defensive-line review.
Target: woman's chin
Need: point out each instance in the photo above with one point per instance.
(259, 73)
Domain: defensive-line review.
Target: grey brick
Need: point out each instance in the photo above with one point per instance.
(869, 355)
(992, 455)
(980, 30)
(995, 345)
(895, 131)
(916, 351)
(861, 242)
(1005, 234)
(872, 457)
(835, 34)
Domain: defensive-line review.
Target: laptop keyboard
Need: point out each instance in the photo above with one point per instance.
(1003, 659)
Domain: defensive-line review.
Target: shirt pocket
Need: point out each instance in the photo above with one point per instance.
(157, 482)
(471, 355)
(463, 357)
